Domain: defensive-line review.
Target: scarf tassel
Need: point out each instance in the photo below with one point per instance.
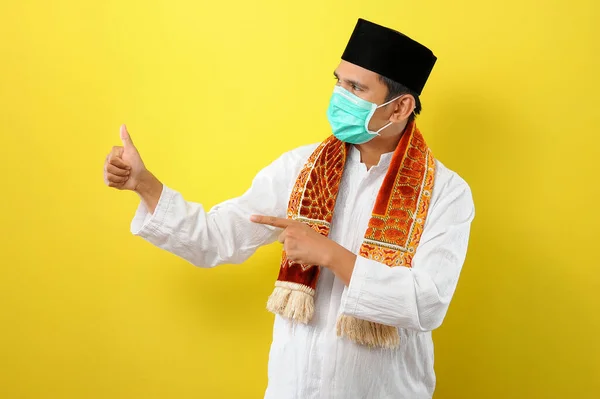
(363, 332)
(293, 301)
(296, 302)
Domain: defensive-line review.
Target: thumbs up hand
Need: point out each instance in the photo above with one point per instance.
(123, 167)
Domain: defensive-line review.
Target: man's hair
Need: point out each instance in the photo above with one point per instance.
(396, 89)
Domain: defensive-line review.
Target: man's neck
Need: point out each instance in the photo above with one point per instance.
(370, 152)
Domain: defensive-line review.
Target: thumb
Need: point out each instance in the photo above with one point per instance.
(125, 137)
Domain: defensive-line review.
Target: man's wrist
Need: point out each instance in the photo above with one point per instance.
(336, 255)
(340, 261)
(147, 184)
(149, 189)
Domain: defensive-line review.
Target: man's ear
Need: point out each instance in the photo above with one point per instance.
(403, 108)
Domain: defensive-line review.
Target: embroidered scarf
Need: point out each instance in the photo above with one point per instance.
(391, 238)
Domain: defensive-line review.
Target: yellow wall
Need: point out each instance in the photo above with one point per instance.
(211, 93)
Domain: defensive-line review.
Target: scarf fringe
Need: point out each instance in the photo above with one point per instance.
(293, 301)
(363, 332)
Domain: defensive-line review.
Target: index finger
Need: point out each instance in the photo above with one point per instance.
(271, 221)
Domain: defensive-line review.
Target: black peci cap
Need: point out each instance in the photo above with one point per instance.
(391, 54)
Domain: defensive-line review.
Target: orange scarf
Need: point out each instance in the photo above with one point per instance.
(391, 238)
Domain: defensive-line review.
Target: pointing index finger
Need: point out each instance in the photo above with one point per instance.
(271, 221)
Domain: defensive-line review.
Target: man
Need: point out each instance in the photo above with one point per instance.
(375, 232)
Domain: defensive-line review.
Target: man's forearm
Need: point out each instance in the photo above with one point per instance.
(341, 262)
(149, 189)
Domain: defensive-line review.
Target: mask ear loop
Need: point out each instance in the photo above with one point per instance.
(391, 101)
(377, 132)
(379, 106)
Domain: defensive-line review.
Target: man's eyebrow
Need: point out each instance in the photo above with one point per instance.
(351, 82)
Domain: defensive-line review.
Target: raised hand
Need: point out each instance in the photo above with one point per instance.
(123, 167)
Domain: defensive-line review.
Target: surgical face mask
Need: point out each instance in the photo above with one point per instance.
(349, 116)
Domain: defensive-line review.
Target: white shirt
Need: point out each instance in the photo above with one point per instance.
(310, 361)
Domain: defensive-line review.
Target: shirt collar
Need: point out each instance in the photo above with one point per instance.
(384, 160)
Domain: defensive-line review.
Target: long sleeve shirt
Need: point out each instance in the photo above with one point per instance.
(310, 361)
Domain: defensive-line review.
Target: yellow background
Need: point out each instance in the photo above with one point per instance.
(214, 91)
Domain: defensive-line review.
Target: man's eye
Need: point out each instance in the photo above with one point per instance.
(355, 87)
